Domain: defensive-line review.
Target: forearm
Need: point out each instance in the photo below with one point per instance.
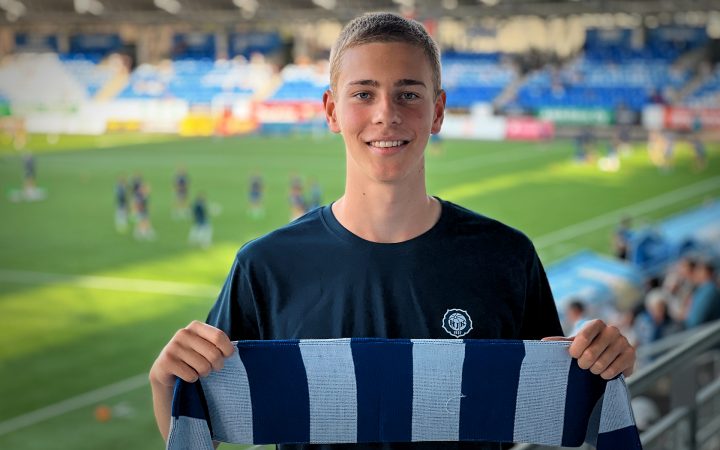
(162, 403)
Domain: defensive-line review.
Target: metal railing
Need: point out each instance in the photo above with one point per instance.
(693, 420)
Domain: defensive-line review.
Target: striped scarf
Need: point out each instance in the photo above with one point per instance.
(380, 390)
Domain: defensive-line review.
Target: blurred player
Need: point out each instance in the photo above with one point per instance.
(624, 146)
(143, 228)
(182, 182)
(697, 144)
(298, 206)
(201, 231)
(257, 210)
(668, 155)
(315, 195)
(29, 172)
(135, 188)
(30, 191)
(121, 205)
(621, 238)
(611, 161)
(583, 142)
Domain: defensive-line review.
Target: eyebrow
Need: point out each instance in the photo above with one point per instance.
(398, 83)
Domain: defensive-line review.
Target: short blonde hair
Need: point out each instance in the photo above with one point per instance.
(385, 27)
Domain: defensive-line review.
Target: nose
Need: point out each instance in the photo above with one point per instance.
(386, 111)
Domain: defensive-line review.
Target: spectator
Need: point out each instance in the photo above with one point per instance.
(575, 314)
(705, 302)
(679, 284)
(655, 323)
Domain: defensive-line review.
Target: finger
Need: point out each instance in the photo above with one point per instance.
(624, 364)
(193, 359)
(601, 342)
(185, 372)
(585, 337)
(209, 351)
(213, 335)
(609, 356)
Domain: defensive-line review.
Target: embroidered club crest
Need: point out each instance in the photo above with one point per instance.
(457, 323)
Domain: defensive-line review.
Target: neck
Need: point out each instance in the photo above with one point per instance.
(387, 212)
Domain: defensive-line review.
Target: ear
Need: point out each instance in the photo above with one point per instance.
(439, 112)
(330, 115)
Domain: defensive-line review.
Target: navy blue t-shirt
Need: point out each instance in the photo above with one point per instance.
(467, 277)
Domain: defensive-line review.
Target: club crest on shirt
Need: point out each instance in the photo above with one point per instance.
(457, 323)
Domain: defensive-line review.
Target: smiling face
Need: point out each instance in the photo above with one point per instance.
(385, 107)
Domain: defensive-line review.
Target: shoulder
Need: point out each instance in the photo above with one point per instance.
(286, 240)
(469, 224)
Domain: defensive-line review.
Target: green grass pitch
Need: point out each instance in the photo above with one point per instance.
(74, 319)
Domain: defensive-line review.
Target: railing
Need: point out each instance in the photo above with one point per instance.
(693, 421)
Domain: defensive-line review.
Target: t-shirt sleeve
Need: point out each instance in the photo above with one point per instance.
(235, 311)
(540, 317)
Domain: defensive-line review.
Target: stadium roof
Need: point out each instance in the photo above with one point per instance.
(69, 12)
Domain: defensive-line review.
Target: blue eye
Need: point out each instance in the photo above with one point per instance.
(363, 95)
(409, 96)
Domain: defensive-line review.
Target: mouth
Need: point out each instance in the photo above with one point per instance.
(387, 147)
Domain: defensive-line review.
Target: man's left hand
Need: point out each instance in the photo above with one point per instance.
(602, 349)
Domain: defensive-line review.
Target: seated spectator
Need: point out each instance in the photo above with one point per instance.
(654, 323)
(705, 301)
(575, 315)
(679, 284)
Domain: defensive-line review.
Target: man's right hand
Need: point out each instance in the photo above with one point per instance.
(193, 352)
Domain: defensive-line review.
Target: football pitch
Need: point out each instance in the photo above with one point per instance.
(84, 309)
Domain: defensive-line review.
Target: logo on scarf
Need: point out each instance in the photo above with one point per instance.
(457, 322)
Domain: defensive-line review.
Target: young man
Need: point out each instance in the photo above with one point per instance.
(386, 259)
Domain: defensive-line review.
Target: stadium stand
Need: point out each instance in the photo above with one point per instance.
(197, 81)
(302, 83)
(617, 67)
(654, 249)
(604, 284)
(91, 75)
(708, 93)
(591, 83)
(23, 81)
(474, 78)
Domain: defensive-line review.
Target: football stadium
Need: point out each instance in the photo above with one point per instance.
(144, 142)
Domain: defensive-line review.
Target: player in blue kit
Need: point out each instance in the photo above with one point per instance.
(257, 210)
(121, 205)
(385, 259)
(182, 185)
(201, 231)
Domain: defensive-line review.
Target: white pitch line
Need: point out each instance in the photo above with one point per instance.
(139, 381)
(110, 283)
(643, 207)
(73, 403)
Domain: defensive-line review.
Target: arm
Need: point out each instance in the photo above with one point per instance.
(193, 352)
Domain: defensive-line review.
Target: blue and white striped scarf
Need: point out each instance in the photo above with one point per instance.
(380, 390)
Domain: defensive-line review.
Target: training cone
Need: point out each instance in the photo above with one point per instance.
(103, 413)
